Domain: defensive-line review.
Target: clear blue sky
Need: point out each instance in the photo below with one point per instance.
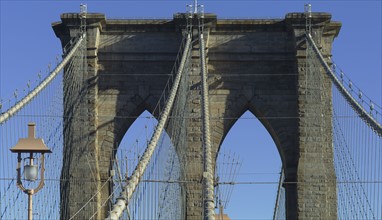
(28, 44)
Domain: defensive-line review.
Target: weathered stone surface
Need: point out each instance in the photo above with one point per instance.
(255, 65)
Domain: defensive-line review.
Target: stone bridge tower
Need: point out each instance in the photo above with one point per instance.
(255, 65)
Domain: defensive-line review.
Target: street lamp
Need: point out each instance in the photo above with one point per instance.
(30, 145)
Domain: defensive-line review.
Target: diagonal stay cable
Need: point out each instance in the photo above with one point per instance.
(91, 198)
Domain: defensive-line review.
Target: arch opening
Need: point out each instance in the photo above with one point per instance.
(249, 190)
(159, 192)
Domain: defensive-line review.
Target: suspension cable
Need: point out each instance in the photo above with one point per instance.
(129, 189)
(208, 177)
(14, 109)
(358, 108)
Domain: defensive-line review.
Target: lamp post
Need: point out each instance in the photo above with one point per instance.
(30, 146)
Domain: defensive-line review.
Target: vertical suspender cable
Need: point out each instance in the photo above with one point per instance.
(128, 190)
